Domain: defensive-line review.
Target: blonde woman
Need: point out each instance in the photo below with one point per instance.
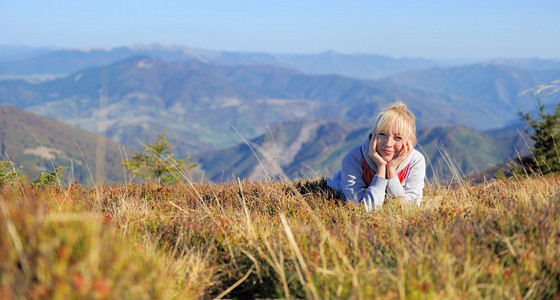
(385, 164)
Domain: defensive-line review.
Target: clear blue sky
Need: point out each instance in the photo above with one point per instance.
(430, 29)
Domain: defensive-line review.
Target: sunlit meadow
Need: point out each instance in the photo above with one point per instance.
(279, 239)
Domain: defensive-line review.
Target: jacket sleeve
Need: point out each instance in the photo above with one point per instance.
(355, 188)
(414, 183)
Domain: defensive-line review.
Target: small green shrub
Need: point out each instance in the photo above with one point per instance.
(8, 174)
(545, 131)
(46, 179)
(158, 162)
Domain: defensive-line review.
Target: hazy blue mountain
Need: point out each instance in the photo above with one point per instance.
(20, 52)
(489, 95)
(367, 66)
(66, 61)
(475, 96)
(531, 64)
(23, 60)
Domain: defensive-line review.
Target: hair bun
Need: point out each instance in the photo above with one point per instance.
(399, 105)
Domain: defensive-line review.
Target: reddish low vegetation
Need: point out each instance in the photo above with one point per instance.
(279, 240)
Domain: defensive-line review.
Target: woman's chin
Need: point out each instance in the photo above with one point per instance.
(387, 159)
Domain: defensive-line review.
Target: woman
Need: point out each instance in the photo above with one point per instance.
(386, 164)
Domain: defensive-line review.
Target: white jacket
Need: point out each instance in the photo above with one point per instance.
(349, 179)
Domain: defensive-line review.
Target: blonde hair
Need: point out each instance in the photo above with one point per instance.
(396, 118)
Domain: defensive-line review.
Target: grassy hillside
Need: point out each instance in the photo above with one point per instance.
(467, 150)
(279, 240)
(39, 144)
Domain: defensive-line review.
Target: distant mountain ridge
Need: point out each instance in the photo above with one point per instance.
(358, 65)
(21, 52)
(533, 64)
(66, 61)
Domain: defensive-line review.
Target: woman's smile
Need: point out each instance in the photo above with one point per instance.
(388, 151)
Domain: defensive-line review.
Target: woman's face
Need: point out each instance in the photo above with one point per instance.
(389, 145)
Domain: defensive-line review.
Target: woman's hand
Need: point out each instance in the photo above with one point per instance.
(395, 162)
(377, 159)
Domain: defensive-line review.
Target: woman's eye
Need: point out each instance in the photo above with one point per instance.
(381, 134)
(398, 138)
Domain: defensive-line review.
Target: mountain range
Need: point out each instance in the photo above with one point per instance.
(21, 60)
(208, 102)
(66, 61)
(309, 149)
(196, 100)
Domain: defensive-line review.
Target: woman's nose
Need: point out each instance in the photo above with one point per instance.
(390, 141)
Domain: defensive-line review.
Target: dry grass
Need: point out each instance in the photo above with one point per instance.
(280, 240)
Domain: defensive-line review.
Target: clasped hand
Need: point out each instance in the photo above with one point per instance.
(388, 169)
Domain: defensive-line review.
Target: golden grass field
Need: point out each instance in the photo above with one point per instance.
(251, 239)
